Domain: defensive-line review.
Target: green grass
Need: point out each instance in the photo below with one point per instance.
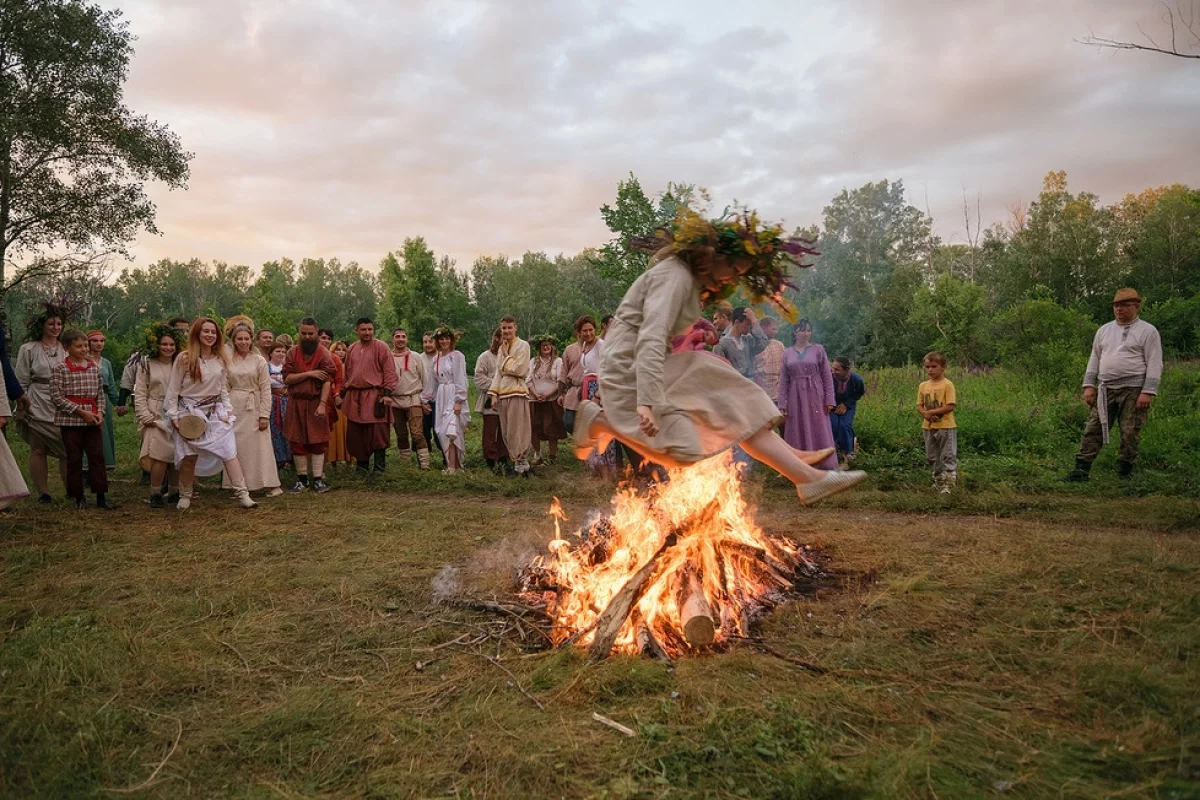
(1018, 638)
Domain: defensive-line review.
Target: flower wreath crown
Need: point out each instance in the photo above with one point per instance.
(762, 252)
(153, 335)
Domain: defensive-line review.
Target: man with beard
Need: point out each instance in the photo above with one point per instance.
(370, 382)
(428, 353)
(266, 342)
(407, 412)
(308, 372)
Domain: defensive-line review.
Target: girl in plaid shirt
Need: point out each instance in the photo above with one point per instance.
(77, 391)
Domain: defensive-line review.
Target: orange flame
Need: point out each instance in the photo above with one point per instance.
(728, 562)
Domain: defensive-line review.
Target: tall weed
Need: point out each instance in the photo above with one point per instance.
(1010, 423)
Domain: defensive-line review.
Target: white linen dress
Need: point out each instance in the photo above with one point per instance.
(12, 484)
(208, 397)
(702, 404)
(250, 395)
(446, 383)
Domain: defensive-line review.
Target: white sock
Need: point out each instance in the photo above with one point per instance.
(301, 465)
(318, 465)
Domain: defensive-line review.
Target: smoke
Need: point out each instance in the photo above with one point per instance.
(445, 584)
(495, 569)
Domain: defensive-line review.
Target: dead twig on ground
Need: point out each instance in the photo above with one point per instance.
(150, 780)
(245, 663)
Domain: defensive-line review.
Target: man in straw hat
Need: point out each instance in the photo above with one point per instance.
(1121, 380)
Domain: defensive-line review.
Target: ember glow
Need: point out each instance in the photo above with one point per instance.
(687, 555)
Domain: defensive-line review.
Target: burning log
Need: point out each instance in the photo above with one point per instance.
(609, 625)
(699, 626)
(646, 641)
(628, 582)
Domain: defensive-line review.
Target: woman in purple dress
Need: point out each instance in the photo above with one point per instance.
(806, 395)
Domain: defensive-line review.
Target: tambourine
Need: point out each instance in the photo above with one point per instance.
(192, 426)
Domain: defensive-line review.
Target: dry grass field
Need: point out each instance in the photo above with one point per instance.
(986, 645)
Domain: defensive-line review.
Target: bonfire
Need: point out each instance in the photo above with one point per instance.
(678, 568)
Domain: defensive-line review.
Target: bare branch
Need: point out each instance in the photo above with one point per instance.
(1178, 21)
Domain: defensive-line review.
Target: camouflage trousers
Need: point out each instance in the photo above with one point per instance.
(1122, 411)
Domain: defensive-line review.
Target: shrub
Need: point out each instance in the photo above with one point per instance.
(1044, 341)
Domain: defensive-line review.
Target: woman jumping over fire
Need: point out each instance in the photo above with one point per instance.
(680, 408)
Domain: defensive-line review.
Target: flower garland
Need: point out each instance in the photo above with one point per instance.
(62, 307)
(761, 253)
(154, 334)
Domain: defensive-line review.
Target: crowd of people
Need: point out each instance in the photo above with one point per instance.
(656, 384)
(251, 405)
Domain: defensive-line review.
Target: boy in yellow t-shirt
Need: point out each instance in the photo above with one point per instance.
(935, 402)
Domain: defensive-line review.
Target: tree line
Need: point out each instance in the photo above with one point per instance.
(1026, 292)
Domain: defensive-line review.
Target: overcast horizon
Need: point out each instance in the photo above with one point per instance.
(336, 130)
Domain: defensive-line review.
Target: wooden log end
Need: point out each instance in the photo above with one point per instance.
(700, 631)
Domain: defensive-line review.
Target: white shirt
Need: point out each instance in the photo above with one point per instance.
(1124, 356)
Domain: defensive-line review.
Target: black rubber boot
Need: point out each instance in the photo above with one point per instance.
(1080, 473)
(362, 466)
(380, 460)
(1124, 470)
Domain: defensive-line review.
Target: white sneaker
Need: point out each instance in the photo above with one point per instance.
(830, 484)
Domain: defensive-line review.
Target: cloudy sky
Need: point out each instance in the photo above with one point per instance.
(339, 127)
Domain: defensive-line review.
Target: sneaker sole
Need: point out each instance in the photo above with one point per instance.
(833, 483)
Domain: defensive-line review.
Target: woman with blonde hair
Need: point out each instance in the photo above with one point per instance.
(250, 395)
(199, 393)
(677, 409)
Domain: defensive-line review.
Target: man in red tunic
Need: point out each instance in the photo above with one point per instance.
(370, 382)
(308, 371)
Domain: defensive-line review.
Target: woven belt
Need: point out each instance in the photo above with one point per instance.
(87, 402)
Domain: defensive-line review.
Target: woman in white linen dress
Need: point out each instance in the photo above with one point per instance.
(12, 485)
(680, 408)
(446, 387)
(199, 385)
(250, 395)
